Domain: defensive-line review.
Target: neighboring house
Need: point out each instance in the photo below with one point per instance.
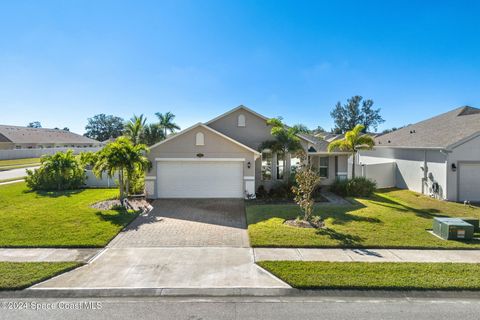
(15, 137)
(439, 156)
(221, 159)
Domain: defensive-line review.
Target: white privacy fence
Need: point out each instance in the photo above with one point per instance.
(37, 153)
(104, 182)
(382, 173)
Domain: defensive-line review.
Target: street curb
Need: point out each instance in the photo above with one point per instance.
(234, 292)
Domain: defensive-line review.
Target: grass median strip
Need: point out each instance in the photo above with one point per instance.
(20, 275)
(377, 276)
(12, 179)
(18, 163)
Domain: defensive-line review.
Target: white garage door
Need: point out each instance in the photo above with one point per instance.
(469, 182)
(200, 179)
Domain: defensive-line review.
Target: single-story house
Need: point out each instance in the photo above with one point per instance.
(439, 156)
(221, 159)
(16, 137)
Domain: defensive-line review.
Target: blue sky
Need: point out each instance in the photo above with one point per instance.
(64, 61)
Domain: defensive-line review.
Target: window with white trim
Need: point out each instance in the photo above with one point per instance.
(266, 165)
(200, 139)
(241, 120)
(294, 164)
(280, 165)
(323, 167)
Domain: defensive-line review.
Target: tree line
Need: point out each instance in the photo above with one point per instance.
(103, 127)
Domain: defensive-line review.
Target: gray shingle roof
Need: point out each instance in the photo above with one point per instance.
(18, 134)
(441, 131)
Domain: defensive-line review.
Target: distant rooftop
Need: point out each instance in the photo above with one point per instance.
(441, 131)
(17, 134)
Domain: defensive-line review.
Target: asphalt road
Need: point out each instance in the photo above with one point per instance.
(15, 173)
(242, 308)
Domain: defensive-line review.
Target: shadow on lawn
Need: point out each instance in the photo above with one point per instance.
(428, 213)
(121, 218)
(55, 194)
(345, 239)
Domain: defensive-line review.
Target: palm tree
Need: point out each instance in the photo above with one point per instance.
(354, 140)
(135, 128)
(124, 157)
(286, 139)
(63, 168)
(166, 122)
(153, 134)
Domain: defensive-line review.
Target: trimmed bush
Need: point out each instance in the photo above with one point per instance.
(61, 171)
(357, 187)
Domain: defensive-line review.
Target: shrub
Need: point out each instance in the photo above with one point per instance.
(306, 182)
(356, 187)
(61, 171)
(281, 190)
(261, 192)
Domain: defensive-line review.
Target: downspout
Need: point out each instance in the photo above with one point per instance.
(425, 170)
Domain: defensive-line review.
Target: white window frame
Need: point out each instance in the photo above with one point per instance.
(271, 165)
(320, 166)
(200, 139)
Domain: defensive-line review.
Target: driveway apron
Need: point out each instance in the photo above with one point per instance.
(181, 243)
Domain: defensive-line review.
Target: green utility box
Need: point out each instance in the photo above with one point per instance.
(475, 222)
(452, 229)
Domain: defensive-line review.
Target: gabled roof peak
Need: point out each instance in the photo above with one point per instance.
(467, 110)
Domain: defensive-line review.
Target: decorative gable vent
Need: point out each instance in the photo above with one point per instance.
(241, 120)
(200, 139)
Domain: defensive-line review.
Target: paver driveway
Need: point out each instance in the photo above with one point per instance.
(188, 223)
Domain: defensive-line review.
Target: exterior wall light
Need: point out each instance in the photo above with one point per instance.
(454, 167)
(249, 164)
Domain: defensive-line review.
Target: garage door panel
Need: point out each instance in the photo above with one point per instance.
(198, 179)
(469, 182)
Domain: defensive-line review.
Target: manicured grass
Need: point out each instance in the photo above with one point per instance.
(18, 163)
(390, 219)
(20, 275)
(384, 275)
(57, 219)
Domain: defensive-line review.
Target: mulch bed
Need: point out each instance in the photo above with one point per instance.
(136, 204)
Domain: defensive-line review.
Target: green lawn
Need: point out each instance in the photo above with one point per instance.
(20, 275)
(18, 163)
(383, 275)
(57, 219)
(390, 219)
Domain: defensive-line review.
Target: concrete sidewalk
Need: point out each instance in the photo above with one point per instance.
(47, 255)
(367, 255)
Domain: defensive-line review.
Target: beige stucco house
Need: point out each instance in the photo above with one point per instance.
(221, 159)
(439, 156)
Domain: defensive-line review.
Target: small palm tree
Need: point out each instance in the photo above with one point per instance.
(354, 140)
(124, 157)
(286, 139)
(166, 122)
(135, 128)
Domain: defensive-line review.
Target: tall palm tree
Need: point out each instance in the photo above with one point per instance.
(353, 141)
(153, 134)
(166, 122)
(124, 157)
(286, 139)
(135, 128)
